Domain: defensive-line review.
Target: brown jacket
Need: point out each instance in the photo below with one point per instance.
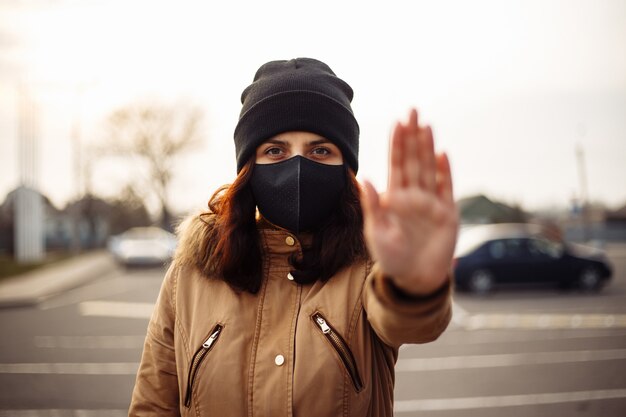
(323, 349)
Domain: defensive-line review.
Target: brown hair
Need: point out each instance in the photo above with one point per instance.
(231, 249)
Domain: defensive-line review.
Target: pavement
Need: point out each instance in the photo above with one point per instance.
(33, 287)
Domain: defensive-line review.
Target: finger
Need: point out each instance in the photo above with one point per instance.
(413, 117)
(396, 158)
(428, 165)
(412, 165)
(444, 179)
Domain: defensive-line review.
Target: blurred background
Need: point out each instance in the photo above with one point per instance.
(117, 118)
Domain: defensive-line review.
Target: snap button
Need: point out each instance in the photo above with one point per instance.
(279, 360)
(290, 277)
(290, 241)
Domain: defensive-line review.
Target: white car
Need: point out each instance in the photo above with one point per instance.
(143, 246)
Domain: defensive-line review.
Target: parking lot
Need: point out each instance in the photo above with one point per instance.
(533, 351)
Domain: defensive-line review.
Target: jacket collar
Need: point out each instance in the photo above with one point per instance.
(277, 240)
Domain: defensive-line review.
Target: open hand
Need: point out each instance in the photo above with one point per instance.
(411, 229)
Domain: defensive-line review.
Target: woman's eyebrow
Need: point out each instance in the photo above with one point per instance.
(318, 142)
(276, 142)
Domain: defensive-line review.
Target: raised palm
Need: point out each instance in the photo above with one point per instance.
(411, 229)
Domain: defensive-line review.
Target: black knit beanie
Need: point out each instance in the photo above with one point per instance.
(301, 94)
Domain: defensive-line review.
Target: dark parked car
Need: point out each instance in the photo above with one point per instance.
(521, 253)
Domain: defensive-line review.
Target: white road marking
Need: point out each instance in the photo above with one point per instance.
(460, 318)
(90, 342)
(542, 321)
(507, 359)
(465, 403)
(116, 309)
(489, 337)
(459, 314)
(63, 413)
(115, 368)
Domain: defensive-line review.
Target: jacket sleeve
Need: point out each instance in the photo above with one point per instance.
(156, 386)
(398, 318)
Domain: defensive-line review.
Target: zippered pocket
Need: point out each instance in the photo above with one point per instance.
(198, 357)
(341, 347)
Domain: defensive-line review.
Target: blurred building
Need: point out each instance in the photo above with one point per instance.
(88, 222)
(8, 218)
(616, 218)
(596, 223)
(593, 223)
(83, 224)
(481, 210)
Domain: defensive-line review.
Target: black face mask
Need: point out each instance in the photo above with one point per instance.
(297, 194)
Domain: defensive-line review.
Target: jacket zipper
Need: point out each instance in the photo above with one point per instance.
(198, 357)
(342, 349)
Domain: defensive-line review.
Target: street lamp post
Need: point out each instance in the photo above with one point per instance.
(29, 228)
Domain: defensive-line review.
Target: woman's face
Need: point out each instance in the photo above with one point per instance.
(308, 145)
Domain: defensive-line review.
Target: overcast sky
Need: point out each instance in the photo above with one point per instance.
(510, 87)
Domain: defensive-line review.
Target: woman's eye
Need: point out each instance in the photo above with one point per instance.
(273, 151)
(320, 151)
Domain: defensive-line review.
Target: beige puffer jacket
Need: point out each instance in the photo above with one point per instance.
(322, 349)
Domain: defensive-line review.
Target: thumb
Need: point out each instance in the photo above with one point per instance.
(370, 201)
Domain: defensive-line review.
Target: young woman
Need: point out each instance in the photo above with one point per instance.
(293, 293)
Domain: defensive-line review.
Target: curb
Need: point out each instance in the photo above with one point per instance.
(33, 287)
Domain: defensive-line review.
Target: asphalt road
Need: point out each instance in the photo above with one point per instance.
(518, 352)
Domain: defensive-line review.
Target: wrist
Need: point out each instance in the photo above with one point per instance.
(424, 289)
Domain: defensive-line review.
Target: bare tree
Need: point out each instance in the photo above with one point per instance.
(155, 134)
(128, 210)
